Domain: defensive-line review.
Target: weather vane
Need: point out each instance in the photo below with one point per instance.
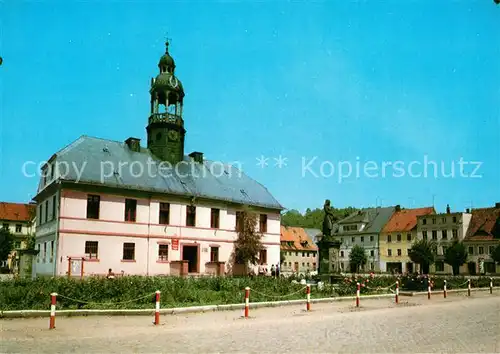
(167, 42)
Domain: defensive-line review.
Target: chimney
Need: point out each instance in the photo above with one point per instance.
(448, 211)
(398, 207)
(467, 211)
(134, 144)
(497, 205)
(197, 156)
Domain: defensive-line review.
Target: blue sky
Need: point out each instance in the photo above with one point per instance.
(336, 80)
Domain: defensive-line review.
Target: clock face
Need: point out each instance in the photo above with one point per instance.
(173, 81)
(173, 135)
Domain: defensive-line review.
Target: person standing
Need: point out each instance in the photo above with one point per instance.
(273, 271)
(277, 270)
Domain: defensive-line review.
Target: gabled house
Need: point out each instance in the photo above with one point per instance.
(396, 239)
(299, 251)
(18, 218)
(361, 228)
(482, 237)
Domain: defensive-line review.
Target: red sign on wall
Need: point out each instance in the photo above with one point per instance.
(175, 244)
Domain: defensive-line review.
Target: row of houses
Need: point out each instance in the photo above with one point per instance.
(387, 234)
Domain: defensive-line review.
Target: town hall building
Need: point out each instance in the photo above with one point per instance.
(152, 210)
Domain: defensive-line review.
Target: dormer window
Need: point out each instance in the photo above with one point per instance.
(350, 227)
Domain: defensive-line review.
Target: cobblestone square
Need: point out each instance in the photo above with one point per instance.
(452, 325)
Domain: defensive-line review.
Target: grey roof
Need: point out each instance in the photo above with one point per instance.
(99, 158)
(313, 233)
(376, 218)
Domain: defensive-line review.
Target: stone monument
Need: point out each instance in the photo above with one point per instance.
(326, 242)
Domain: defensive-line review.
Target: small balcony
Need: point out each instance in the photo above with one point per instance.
(166, 118)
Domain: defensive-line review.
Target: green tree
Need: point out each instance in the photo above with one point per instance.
(456, 255)
(282, 257)
(249, 243)
(6, 243)
(423, 252)
(496, 254)
(357, 258)
(312, 218)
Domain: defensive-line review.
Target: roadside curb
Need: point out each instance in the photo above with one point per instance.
(177, 310)
(434, 292)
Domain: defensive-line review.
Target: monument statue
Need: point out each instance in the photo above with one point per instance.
(328, 219)
(326, 243)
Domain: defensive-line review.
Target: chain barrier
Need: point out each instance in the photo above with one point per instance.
(105, 303)
(380, 288)
(278, 296)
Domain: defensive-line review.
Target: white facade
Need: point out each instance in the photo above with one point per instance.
(67, 235)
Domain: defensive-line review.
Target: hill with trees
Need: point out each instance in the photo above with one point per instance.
(312, 218)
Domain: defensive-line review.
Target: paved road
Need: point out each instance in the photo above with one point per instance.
(457, 324)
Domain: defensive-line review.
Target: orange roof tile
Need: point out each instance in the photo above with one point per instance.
(484, 224)
(16, 211)
(299, 237)
(406, 219)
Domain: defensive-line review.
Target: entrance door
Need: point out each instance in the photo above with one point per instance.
(190, 253)
(409, 267)
(472, 268)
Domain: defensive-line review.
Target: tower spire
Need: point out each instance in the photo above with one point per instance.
(166, 127)
(167, 43)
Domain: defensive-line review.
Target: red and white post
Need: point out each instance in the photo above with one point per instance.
(444, 289)
(491, 285)
(247, 300)
(157, 308)
(358, 290)
(468, 287)
(397, 292)
(429, 289)
(53, 300)
(308, 297)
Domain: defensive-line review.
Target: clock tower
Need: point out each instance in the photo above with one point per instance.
(166, 127)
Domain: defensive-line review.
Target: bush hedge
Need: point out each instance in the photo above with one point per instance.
(20, 294)
(378, 284)
(135, 292)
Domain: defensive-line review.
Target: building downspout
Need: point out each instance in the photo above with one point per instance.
(57, 236)
(149, 234)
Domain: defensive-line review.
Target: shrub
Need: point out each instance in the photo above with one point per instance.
(135, 292)
(138, 292)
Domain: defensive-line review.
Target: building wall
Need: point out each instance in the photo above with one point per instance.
(12, 226)
(404, 245)
(479, 250)
(307, 261)
(443, 222)
(20, 230)
(47, 242)
(111, 231)
(370, 242)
